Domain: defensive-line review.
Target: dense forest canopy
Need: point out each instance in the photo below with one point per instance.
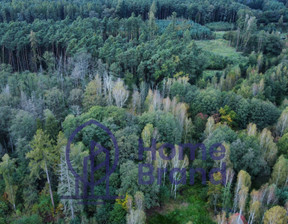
(184, 71)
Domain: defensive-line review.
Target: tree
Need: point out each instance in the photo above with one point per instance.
(42, 156)
(129, 184)
(7, 169)
(137, 215)
(23, 126)
(180, 165)
(254, 212)
(243, 193)
(136, 102)
(246, 155)
(227, 115)
(93, 93)
(128, 144)
(267, 146)
(120, 94)
(275, 215)
(51, 125)
(76, 97)
(80, 70)
(34, 43)
(227, 195)
(282, 124)
(241, 189)
(280, 172)
(22, 129)
(283, 145)
(263, 113)
(210, 127)
(54, 101)
(215, 192)
(251, 129)
(151, 22)
(66, 186)
(147, 134)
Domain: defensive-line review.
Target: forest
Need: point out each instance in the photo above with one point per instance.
(153, 72)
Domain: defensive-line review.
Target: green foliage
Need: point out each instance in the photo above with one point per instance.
(7, 169)
(246, 155)
(227, 115)
(166, 124)
(207, 101)
(283, 145)
(51, 125)
(42, 154)
(262, 113)
(129, 184)
(28, 220)
(193, 208)
(220, 26)
(4, 210)
(196, 31)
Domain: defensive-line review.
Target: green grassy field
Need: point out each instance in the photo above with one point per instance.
(219, 47)
(190, 206)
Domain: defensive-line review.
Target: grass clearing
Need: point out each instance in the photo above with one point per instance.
(189, 206)
(219, 47)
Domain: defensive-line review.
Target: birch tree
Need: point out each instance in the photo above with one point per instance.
(254, 212)
(108, 86)
(255, 206)
(136, 215)
(176, 163)
(210, 127)
(282, 124)
(120, 93)
(227, 195)
(268, 147)
(66, 186)
(215, 192)
(280, 172)
(243, 180)
(275, 215)
(251, 129)
(243, 193)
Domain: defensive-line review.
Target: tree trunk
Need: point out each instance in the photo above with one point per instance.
(70, 191)
(50, 190)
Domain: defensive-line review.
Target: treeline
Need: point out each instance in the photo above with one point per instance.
(199, 11)
(127, 46)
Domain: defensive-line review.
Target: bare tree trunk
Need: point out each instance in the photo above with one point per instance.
(50, 189)
(70, 190)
